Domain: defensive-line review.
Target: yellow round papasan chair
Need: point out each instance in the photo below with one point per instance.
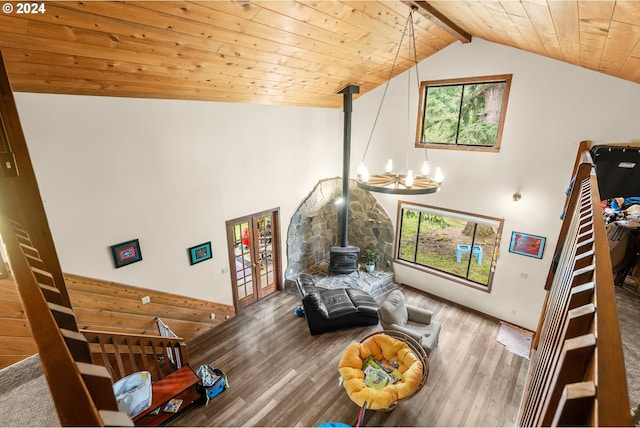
(384, 346)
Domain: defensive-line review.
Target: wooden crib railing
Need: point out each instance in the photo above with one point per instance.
(577, 375)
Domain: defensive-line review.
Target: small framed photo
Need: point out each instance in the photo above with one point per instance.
(126, 253)
(200, 253)
(527, 245)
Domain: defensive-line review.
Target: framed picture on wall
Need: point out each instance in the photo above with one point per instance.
(126, 253)
(527, 245)
(200, 253)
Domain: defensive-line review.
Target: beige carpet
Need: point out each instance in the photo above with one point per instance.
(25, 400)
(629, 316)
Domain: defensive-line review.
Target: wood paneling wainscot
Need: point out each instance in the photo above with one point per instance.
(108, 306)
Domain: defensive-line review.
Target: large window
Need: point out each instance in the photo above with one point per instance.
(463, 113)
(457, 245)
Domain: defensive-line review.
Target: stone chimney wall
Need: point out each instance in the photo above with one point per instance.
(315, 227)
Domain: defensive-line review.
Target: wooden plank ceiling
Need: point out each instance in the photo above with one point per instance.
(289, 52)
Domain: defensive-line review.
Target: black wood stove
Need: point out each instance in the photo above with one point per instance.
(343, 260)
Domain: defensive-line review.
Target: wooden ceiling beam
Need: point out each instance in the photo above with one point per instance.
(440, 19)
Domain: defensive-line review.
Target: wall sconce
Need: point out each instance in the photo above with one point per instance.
(517, 196)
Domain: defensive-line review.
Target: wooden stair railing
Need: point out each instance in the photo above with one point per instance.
(577, 374)
(82, 392)
(166, 358)
(123, 354)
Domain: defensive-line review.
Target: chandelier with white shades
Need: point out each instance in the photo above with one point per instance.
(392, 181)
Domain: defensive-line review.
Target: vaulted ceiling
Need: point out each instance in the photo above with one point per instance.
(288, 52)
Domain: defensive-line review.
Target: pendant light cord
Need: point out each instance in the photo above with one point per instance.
(395, 60)
(412, 44)
(414, 51)
(415, 60)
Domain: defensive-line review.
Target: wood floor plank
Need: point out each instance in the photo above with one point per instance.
(280, 375)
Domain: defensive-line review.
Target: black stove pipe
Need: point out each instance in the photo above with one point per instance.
(347, 95)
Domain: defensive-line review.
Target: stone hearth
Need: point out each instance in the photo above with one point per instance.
(375, 283)
(315, 227)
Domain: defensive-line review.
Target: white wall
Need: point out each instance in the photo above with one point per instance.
(552, 107)
(172, 172)
(169, 173)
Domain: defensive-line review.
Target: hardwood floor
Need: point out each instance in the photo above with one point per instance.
(280, 375)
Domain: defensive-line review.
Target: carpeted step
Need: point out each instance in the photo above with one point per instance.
(25, 400)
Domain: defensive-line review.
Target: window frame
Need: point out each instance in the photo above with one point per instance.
(452, 277)
(457, 82)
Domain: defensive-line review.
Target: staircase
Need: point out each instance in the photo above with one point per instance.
(79, 365)
(107, 306)
(81, 390)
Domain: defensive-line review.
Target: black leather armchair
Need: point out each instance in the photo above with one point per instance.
(328, 310)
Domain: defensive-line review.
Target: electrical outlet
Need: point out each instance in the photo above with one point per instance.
(8, 166)
(145, 300)
(388, 263)
(213, 316)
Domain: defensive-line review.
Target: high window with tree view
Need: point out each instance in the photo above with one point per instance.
(457, 245)
(463, 113)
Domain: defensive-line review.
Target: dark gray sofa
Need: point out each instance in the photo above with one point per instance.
(328, 310)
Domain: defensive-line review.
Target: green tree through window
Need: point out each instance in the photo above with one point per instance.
(463, 113)
(457, 245)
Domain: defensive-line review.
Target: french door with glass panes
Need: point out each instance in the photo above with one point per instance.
(254, 256)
